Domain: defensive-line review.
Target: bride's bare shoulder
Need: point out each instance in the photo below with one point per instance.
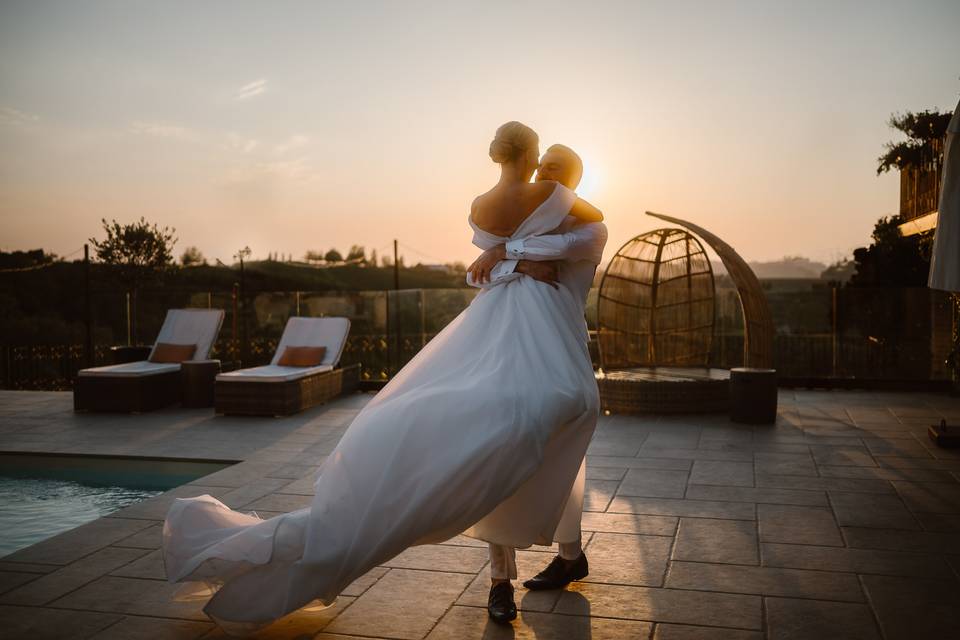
(544, 187)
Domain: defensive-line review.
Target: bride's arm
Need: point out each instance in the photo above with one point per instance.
(498, 264)
(502, 272)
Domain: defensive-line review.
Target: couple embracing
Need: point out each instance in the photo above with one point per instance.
(483, 432)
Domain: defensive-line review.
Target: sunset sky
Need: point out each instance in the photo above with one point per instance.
(291, 126)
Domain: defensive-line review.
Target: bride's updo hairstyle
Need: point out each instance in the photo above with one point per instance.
(513, 141)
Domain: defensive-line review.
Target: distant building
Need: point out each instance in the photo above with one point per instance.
(920, 193)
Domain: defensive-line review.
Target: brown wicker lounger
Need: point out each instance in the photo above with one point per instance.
(275, 390)
(237, 397)
(144, 385)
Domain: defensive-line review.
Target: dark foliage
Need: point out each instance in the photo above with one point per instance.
(924, 130)
(893, 260)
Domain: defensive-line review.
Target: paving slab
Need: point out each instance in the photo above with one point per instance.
(10, 580)
(861, 561)
(791, 583)
(724, 473)
(403, 604)
(51, 586)
(622, 462)
(798, 525)
(40, 623)
(598, 493)
(661, 605)
(864, 485)
(133, 596)
(790, 619)
(681, 508)
(654, 483)
(757, 495)
(687, 632)
(721, 541)
(784, 464)
(72, 545)
(871, 510)
(899, 540)
(299, 625)
(472, 622)
(146, 628)
(626, 523)
(438, 557)
(911, 608)
(619, 558)
(934, 497)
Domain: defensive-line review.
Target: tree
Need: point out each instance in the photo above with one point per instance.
(313, 256)
(840, 271)
(893, 260)
(357, 252)
(373, 257)
(140, 252)
(26, 259)
(192, 257)
(924, 131)
(333, 256)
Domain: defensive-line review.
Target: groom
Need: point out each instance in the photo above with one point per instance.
(570, 258)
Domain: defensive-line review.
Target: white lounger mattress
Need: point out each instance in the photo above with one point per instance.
(272, 373)
(131, 369)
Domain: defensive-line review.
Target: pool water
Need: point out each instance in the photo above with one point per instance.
(41, 496)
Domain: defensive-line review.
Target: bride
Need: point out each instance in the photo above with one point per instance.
(482, 432)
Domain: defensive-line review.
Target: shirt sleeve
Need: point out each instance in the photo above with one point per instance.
(582, 242)
(502, 272)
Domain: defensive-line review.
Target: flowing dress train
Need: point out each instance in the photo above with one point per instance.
(483, 432)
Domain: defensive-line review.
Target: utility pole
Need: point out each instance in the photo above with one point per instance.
(244, 338)
(87, 320)
(396, 268)
(396, 306)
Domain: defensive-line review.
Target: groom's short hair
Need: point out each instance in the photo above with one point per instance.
(576, 164)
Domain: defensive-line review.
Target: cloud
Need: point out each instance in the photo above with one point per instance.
(298, 169)
(293, 142)
(161, 130)
(13, 117)
(255, 88)
(236, 142)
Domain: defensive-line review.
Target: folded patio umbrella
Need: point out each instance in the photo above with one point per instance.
(945, 260)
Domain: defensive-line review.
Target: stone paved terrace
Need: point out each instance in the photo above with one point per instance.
(841, 521)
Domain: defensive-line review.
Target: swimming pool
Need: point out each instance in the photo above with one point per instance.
(43, 495)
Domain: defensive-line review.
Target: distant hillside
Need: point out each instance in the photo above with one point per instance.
(789, 267)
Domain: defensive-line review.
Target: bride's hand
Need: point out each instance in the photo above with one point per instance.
(481, 267)
(543, 271)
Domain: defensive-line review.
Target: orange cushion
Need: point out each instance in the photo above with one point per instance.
(302, 356)
(166, 352)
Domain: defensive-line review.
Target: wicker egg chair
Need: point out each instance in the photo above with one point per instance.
(656, 303)
(655, 323)
(655, 320)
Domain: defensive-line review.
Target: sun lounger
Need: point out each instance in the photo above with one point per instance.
(276, 390)
(146, 385)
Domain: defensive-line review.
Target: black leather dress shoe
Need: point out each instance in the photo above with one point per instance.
(559, 573)
(500, 605)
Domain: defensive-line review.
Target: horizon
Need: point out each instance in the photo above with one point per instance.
(314, 127)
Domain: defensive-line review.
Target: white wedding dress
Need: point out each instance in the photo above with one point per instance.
(483, 432)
